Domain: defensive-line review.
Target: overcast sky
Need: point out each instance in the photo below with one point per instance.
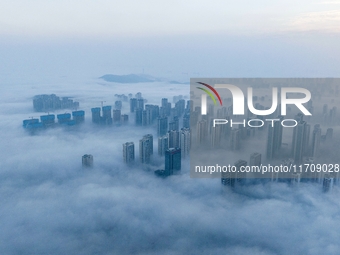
(111, 19)
(177, 39)
(50, 205)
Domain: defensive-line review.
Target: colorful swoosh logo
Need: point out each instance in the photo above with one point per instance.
(209, 93)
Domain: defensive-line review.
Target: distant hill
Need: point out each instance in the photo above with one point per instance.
(129, 78)
(136, 78)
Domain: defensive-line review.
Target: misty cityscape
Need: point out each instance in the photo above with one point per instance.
(174, 143)
(94, 169)
(119, 134)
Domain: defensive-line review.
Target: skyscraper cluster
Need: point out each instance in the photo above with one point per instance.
(49, 120)
(46, 103)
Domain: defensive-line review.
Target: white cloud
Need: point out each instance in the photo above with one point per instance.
(325, 21)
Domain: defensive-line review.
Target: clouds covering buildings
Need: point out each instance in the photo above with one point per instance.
(51, 205)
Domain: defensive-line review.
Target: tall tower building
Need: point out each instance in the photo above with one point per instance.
(163, 145)
(145, 150)
(139, 116)
(162, 126)
(107, 118)
(186, 121)
(180, 105)
(118, 105)
(216, 136)
(152, 111)
(327, 184)
(235, 139)
(255, 159)
(329, 134)
(117, 116)
(232, 178)
(144, 118)
(164, 102)
(96, 115)
(128, 152)
(133, 104)
(185, 142)
(295, 179)
(174, 139)
(87, 160)
(299, 141)
(63, 118)
(274, 139)
(316, 137)
(176, 123)
(202, 131)
(172, 160)
(124, 118)
(47, 120)
(150, 138)
(140, 103)
(78, 116)
(240, 176)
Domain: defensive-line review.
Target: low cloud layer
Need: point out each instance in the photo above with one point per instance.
(51, 205)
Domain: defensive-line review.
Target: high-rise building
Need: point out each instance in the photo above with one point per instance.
(174, 139)
(152, 113)
(32, 124)
(235, 142)
(145, 150)
(332, 115)
(300, 133)
(255, 159)
(168, 109)
(140, 103)
(139, 116)
(295, 179)
(164, 102)
(240, 175)
(274, 139)
(162, 111)
(306, 140)
(96, 115)
(124, 118)
(316, 138)
(327, 184)
(329, 134)
(186, 121)
(133, 104)
(47, 120)
(202, 131)
(147, 116)
(129, 152)
(162, 126)
(216, 136)
(118, 105)
(185, 137)
(107, 117)
(117, 116)
(63, 118)
(175, 124)
(163, 145)
(230, 179)
(150, 138)
(179, 106)
(87, 160)
(78, 116)
(172, 160)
